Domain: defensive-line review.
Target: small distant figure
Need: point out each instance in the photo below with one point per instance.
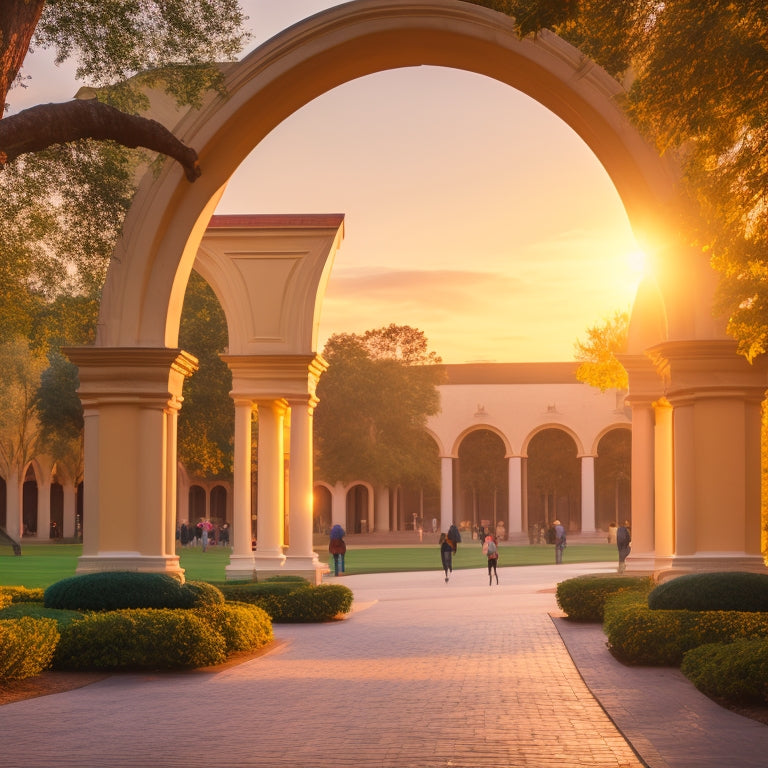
(184, 534)
(224, 535)
(205, 527)
(434, 525)
(623, 541)
(447, 548)
(454, 537)
(560, 541)
(491, 551)
(338, 548)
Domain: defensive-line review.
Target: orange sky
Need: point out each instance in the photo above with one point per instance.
(472, 212)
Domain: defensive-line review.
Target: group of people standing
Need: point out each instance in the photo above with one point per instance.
(202, 534)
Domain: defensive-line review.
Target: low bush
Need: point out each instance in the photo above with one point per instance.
(39, 611)
(244, 627)
(292, 602)
(725, 591)
(638, 635)
(28, 646)
(583, 597)
(115, 590)
(22, 594)
(140, 639)
(736, 672)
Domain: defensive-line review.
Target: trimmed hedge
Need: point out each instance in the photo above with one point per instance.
(39, 611)
(28, 646)
(143, 638)
(723, 591)
(583, 598)
(639, 635)
(22, 594)
(243, 627)
(736, 672)
(294, 602)
(116, 590)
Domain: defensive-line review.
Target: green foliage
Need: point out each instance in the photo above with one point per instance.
(726, 591)
(39, 611)
(583, 597)
(27, 647)
(20, 594)
(736, 672)
(202, 593)
(599, 367)
(111, 590)
(375, 399)
(207, 421)
(639, 635)
(244, 627)
(294, 602)
(140, 639)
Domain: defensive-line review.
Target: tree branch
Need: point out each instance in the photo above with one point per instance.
(40, 127)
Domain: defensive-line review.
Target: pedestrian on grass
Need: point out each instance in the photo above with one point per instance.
(491, 551)
(560, 542)
(623, 540)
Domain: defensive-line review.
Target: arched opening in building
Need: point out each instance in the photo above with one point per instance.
(357, 509)
(322, 505)
(483, 500)
(554, 480)
(196, 503)
(613, 479)
(29, 503)
(57, 510)
(218, 505)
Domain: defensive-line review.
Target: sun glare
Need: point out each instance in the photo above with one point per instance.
(637, 261)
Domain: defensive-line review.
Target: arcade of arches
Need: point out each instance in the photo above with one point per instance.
(695, 493)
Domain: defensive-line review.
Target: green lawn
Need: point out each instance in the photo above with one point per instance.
(42, 564)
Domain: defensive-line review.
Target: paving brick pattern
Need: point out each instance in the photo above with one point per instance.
(424, 674)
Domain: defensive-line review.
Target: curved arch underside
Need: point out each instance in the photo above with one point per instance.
(148, 275)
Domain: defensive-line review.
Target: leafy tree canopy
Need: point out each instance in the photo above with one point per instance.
(697, 78)
(375, 398)
(599, 367)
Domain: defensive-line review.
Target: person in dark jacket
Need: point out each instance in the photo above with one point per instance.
(447, 548)
(623, 540)
(338, 548)
(560, 542)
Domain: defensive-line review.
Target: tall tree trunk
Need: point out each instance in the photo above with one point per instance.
(18, 19)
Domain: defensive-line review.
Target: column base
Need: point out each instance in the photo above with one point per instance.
(239, 568)
(639, 564)
(131, 561)
(308, 567)
(667, 568)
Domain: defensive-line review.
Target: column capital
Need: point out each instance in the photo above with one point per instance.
(645, 382)
(266, 377)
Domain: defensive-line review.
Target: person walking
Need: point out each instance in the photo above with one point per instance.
(623, 541)
(491, 551)
(447, 548)
(560, 542)
(205, 527)
(338, 548)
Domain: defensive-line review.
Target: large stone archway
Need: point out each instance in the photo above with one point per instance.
(133, 376)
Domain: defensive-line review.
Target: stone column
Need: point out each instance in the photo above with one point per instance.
(271, 490)
(515, 474)
(70, 509)
(587, 494)
(44, 508)
(13, 495)
(130, 396)
(716, 397)
(664, 488)
(446, 493)
(241, 563)
(381, 512)
(301, 558)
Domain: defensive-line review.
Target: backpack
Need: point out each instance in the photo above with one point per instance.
(492, 552)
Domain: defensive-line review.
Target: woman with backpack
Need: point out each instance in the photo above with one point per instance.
(491, 551)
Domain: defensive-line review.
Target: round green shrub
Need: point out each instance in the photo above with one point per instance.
(202, 593)
(583, 597)
(723, 591)
(286, 578)
(736, 672)
(27, 646)
(114, 590)
(244, 627)
(290, 601)
(140, 639)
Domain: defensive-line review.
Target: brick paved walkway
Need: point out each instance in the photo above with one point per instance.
(423, 675)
